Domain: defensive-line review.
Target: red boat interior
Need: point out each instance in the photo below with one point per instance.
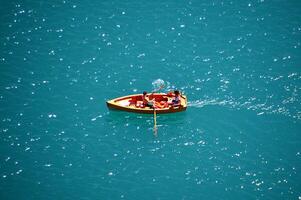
(161, 100)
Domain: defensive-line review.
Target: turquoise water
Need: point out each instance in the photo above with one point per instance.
(237, 61)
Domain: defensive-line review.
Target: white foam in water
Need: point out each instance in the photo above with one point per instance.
(158, 83)
(52, 115)
(93, 119)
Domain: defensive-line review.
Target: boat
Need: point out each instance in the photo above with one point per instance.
(133, 103)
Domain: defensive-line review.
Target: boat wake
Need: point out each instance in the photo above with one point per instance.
(202, 103)
(259, 108)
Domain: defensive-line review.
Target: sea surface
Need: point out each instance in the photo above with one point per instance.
(238, 62)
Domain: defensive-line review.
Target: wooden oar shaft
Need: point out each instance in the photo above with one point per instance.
(156, 90)
(155, 118)
(155, 122)
(155, 114)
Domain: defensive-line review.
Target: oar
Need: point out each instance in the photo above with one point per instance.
(155, 122)
(155, 114)
(158, 89)
(154, 104)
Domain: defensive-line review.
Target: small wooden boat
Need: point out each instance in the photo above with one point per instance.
(162, 103)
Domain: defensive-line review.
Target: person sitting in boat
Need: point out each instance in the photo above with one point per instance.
(146, 101)
(176, 100)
